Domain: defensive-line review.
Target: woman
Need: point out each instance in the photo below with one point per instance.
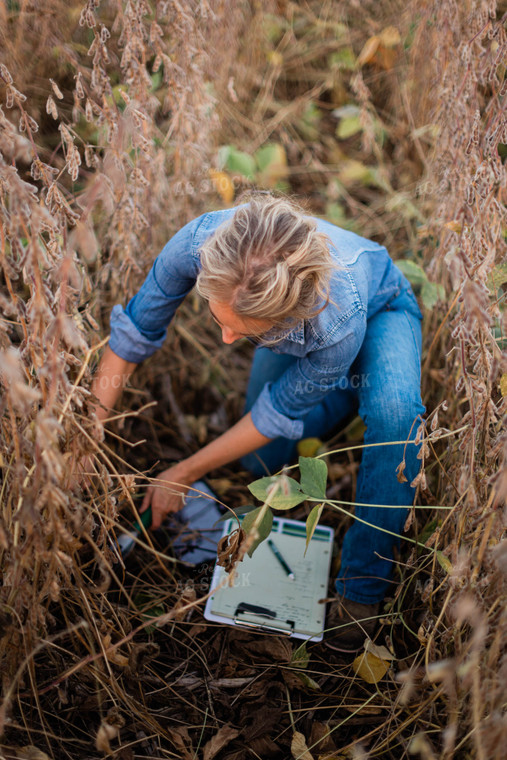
(338, 331)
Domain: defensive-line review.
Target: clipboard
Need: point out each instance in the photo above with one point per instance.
(264, 597)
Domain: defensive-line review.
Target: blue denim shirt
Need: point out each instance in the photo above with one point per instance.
(326, 345)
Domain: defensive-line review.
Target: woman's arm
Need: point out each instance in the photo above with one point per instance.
(109, 380)
(166, 496)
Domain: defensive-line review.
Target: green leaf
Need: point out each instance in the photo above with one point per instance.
(300, 657)
(336, 213)
(243, 510)
(342, 59)
(497, 277)
(274, 26)
(287, 496)
(355, 429)
(310, 447)
(348, 126)
(236, 161)
(412, 271)
(309, 682)
(264, 527)
(156, 81)
(149, 607)
(313, 477)
(272, 162)
(282, 186)
(444, 562)
(312, 522)
(428, 530)
(308, 124)
(271, 153)
(432, 293)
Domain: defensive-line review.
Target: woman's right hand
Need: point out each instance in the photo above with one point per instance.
(167, 493)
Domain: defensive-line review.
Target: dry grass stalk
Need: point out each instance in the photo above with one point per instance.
(79, 225)
(466, 190)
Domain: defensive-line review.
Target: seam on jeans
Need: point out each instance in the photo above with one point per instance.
(414, 338)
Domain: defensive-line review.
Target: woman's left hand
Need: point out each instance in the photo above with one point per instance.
(167, 493)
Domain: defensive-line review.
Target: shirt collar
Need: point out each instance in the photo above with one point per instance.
(296, 335)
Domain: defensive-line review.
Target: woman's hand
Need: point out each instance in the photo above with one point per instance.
(165, 497)
(167, 493)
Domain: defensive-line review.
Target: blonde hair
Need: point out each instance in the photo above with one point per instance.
(268, 262)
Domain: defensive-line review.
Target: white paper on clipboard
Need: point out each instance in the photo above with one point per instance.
(263, 597)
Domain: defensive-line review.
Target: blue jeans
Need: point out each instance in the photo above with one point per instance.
(384, 387)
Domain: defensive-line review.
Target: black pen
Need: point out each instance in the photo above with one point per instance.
(281, 560)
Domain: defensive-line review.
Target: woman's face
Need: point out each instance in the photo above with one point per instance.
(233, 326)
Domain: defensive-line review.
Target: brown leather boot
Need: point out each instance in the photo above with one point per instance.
(351, 623)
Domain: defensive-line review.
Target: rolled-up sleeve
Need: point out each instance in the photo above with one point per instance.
(282, 405)
(139, 329)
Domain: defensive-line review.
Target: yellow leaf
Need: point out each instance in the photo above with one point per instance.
(223, 185)
(309, 447)
(368, 52)
(503, 384)
(369, 667)
(352, 171)
(454, 226)
(275, 58)
(299, 748)
(390, 36)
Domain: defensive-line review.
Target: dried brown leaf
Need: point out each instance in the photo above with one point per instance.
(299, 748)
(223, 736)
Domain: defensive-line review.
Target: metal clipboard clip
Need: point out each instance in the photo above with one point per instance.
(263, 612)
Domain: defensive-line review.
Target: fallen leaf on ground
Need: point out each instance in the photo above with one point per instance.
(369, 667)
(223, 736)
(379, 650)
(321, 737)
(298, 747)
(182, 742)
(273, 647)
